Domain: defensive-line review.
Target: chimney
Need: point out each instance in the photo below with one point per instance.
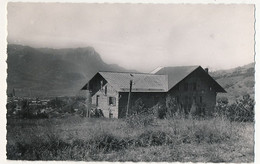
(206, 70)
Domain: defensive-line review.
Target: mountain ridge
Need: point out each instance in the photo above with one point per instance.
(52, 71)
(47, 72)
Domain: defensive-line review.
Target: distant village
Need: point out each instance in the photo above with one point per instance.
(27, 107)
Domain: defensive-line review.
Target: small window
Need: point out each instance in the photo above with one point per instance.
(101, 84)
(112, 101)
(105, 90)
(194, 86)
(186, 86)
(97, 99)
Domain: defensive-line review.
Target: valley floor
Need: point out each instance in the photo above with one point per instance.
(89, 139)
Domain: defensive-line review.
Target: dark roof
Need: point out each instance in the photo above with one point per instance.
(175, 74)
(161, 80)
(120, 81)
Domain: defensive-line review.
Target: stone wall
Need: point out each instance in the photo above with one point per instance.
(102, 103)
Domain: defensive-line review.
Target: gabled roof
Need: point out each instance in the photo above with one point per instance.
(120, 81)
(179, 73)
(175, 74)
(162, 80)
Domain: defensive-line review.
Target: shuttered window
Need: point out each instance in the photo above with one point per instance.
(112, 101)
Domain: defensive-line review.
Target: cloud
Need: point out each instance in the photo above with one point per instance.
(140, 36)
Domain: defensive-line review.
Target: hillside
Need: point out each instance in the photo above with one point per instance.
(62, 72)
(52, 72)
(237, 81)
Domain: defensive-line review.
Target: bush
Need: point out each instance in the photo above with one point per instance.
(56, 103)
(143, 119)
(242, 110)
(138, 106)
(172, 107)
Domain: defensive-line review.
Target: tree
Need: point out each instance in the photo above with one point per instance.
(172, 106)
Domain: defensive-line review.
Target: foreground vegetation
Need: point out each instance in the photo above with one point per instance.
(138, 138)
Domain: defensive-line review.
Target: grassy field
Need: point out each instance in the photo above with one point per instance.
(92, 139)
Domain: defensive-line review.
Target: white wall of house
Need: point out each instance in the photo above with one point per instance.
(106, 99)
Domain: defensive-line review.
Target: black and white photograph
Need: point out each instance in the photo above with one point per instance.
(122, 82)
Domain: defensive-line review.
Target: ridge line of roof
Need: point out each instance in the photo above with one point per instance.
(181, 66)
(161, 67)
(126, 72)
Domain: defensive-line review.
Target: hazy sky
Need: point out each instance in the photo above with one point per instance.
(140, 36)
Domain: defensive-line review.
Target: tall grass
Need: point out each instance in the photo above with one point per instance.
(85, 139)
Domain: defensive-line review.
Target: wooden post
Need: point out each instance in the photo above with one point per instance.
(13, 92)
(129, 98)
(88, 103)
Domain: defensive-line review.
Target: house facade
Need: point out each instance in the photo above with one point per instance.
(192, 86)
(189, 85)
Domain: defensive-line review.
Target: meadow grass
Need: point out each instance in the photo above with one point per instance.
(101, 139)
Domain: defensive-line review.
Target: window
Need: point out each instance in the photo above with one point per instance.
(101, 84)
(105, 90)
(112, 101)
(194, 86)
(186, 86)
(97, 97)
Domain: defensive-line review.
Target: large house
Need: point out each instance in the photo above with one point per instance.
(188, 85)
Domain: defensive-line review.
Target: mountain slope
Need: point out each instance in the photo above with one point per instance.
(237, 81)
(62, 72)
(52, 72)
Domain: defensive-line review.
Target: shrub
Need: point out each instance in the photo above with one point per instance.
(172, 107)
(154, 138)
(56, 103)
(162, 111)
(138, 106)
(143, 119)
(241, 110)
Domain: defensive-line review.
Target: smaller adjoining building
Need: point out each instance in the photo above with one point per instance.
(188, 85)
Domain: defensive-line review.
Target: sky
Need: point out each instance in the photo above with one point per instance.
(140, 36)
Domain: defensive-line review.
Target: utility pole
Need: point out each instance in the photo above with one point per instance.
(129, 98)
(86, 112)
(13, 92)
